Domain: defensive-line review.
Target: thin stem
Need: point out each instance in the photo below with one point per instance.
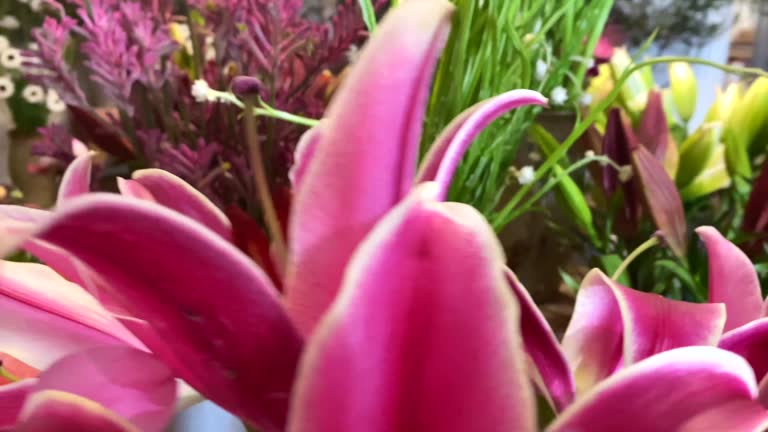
(504, 214)
(651, 242)
(552, 183)
(262, 187)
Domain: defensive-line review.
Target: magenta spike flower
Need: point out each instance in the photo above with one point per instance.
(404, 319)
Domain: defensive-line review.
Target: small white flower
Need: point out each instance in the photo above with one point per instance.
(4, 43)
(586, 99)
(33, 46)
(589, 153)
(541, 69)
(33, 94)
(201, 91)
(526, 175)
(11, 58)
(23, 1)
(35, 5)
(54, 103)
(6, 87)
(534, 156)
(559, 95)
(9, 22)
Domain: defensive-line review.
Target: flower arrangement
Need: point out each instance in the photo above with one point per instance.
(160, 67)
(29, 103)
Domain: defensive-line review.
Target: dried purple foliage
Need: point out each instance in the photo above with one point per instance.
(130, 52)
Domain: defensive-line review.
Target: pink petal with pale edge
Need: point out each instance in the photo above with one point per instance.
(305, 151)
(446, 153)
(175, 193)
(65, 412)
(131, 383)
(77, 178)
(543, 348)
(220, 323)
(665, 392)
(751, 342)
(366, 158)
(732, 279)
(12, 397)
(614, 325)
(424, 335)
(134, 189)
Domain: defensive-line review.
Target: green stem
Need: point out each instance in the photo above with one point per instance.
(262, 188)
(651, 242)
(504, 214)
(552, 183)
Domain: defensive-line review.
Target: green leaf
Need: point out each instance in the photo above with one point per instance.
(369, 14)
(569, 281)
(610, 263)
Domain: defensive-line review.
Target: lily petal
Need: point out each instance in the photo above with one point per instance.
(543, 348)
(613, 324)
(134, 189)
(39, 338)
(366, 161)
(750, 341)
(446, 153)
(741, 415)
(77, 178)
(305, 151)
(173, 192)
(131, 383)
(65, 412)
(221, 326)
(653, 131)
(424, 334)
(40, 287)
(12, 397)
(666, 392)
(732, 279)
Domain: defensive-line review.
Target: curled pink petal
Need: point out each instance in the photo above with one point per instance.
(543, 348)
(175, 193)
(614, 326)
(131, 383)
(53, 410)
(751, 342)
(424, 335)
(365, 160)
(305, 151)
(732, 279)
(446, 153)
(667, 391)
(220, 323)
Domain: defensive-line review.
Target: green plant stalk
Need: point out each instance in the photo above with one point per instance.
(369, 14)
(263, 190)
(653, 241)
(502, 218)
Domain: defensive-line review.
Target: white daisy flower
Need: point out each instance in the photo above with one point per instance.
(11, 58)
(201, 91)
(54, 103)
(559, 95)
(589, 153)
(9, 22)
(36, 5)
(541, 69)
(6, 87)
(4, 43)
(33, 94)
(526, 175)
(33, 46)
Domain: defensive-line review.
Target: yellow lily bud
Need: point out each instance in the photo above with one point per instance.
(634, 92)
(712, 178)
(682, 81)
(601, 85)
(725, 102)
(696, 151)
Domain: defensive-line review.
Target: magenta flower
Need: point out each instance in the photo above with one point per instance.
(398, 311)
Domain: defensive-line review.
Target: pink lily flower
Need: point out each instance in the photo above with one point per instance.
(399, 313)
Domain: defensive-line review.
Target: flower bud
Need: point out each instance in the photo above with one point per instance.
(682, 81)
